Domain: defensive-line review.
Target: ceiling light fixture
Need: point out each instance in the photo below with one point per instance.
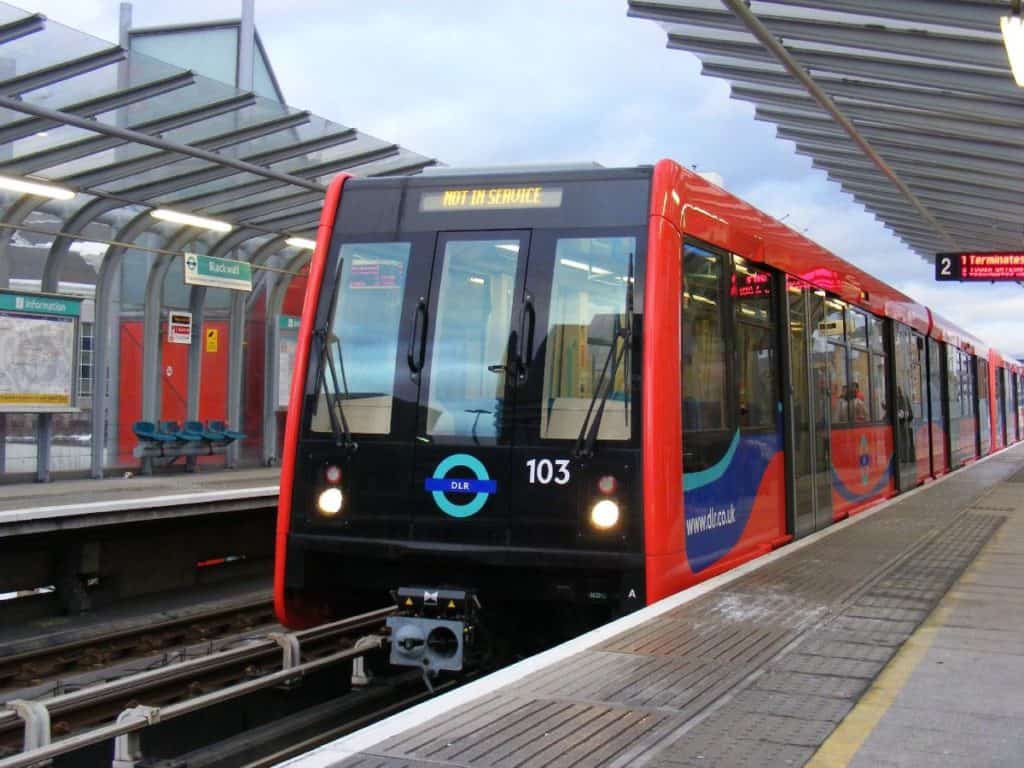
(301, 242)
(202, 222)
(1013, 39)
(29, 187)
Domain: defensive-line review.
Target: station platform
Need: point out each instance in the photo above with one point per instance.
(70, 504)
(828, 652)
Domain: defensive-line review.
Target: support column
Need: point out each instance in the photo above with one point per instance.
(275, 300)
(55, 259)
(247, 45)
(104, 380)
(16, 214)
(152, 370)
(196, 300)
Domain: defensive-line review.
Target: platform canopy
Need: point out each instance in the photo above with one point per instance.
(121, 129)
(908, 104)
(115, 135)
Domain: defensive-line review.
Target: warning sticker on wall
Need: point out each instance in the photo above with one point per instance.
(179, 327)
(211, 339)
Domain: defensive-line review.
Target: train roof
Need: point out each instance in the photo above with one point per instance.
(758, 236)
(786, 249)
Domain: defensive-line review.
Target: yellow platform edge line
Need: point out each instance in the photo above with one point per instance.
(844, 742)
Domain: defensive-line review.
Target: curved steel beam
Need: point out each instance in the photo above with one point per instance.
(101, 341)
(15, 215)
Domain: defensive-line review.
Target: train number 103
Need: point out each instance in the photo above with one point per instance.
(546, 471)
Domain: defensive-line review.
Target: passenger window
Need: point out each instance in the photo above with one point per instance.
(878, 409)
(704, 371)
(588, 309)
(470, 341)
(859, 386)
(364, 336)
(751, 290)
(840, 389)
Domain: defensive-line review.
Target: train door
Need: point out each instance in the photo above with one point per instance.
(464, 349)
(982, 409)
(809, 418)
(910, 405)
(1003, 414)
(1015, 379)
(937, 415)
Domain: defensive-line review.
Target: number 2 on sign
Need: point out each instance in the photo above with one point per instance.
(544, 471)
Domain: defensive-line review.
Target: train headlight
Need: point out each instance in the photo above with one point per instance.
(329, 502)
(604, 514)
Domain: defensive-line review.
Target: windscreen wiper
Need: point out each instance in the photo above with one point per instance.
(587, 438)
(338, 391)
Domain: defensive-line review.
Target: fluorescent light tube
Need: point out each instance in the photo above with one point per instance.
(35, 188)
(1013, 38)
(301, 242)
(193, 221)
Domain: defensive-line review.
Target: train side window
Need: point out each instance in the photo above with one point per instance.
(832, 328)
(857, 328)
(751, 291)
(876, 334)
(588, 308)
(876, 343)
(703, 355)
(708, 425)
(364, 335)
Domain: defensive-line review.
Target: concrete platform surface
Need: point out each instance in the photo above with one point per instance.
(758, 667)
(954, 694)
(43, 507)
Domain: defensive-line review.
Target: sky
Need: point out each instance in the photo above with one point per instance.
(484, 82)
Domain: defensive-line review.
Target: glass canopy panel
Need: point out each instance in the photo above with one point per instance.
(262, 81)
(180, 167)
(53, 45)
(136, 71)
(8, 14)
(214, 187)
(210, 52)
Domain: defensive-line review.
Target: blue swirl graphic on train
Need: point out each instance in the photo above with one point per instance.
(718, 500)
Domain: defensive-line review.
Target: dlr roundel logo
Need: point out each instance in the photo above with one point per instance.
(480, 485)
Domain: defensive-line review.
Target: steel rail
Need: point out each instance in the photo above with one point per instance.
(136, 684)
(39, 655)
(164, 714)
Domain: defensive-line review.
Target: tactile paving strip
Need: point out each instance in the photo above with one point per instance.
(755, 674)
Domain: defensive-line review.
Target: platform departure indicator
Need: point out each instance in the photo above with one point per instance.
(987, 266)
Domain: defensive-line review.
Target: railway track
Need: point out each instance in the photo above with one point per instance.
(42, 665)
(98, 713)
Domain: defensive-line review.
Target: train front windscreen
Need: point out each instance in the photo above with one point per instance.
(474, 369)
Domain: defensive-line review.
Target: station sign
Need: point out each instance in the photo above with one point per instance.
(981, 266)
(179, 327)
(213, 272)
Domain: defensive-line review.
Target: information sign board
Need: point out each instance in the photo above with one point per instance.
(982, 266)
(217, 273)
(38, 349)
